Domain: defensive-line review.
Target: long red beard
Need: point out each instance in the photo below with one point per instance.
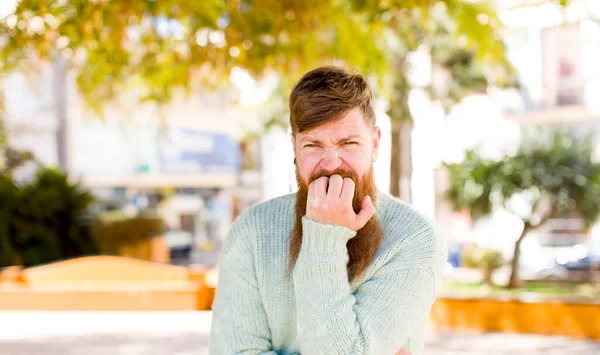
(363, 246)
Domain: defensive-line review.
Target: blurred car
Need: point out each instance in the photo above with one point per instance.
(180, 244)
(454, 255)
(552, 270)
(589, 261)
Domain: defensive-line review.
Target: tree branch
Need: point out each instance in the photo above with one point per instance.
(544, 218)
(527, 227)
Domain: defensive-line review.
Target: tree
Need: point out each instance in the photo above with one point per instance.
(463, 41)
(464, 45)
(45, 218)
(14, 159)
(552, 173)
(158, 47)
(10, 160)
(7, 197)
(482, 258)
(153, 48)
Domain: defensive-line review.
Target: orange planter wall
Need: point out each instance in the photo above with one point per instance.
(579, 320)
(105, 283)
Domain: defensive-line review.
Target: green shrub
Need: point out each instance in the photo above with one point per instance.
(7, 199)
(112, 234)
(482, 258)
(46, 219)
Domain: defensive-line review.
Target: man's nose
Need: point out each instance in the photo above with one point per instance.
(330, 161)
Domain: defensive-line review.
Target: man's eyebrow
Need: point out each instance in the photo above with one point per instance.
(344, 139)
(350, 137)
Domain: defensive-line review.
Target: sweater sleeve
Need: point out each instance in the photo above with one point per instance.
(386, 313)
(239, 323)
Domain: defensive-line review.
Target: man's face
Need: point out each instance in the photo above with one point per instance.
(348, 144)
(346, 147)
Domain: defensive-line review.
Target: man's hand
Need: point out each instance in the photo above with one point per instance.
(402, 352)
(330, 202)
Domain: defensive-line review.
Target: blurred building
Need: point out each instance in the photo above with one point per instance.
(184, 161)
(189, 161)
(556, 53)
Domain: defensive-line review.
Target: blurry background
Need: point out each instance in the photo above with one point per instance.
(132, 134)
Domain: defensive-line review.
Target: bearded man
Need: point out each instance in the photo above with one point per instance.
(338, 267)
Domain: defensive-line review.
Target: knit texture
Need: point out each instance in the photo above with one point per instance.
(260, 309)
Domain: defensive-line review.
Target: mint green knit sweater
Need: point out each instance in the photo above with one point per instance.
(317, 311)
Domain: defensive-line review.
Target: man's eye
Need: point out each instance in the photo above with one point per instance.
(311, 145)
(350, 143)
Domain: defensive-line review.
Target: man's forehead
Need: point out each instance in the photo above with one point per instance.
(352, 122)
(338, 129)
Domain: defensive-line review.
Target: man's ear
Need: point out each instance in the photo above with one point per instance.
(376, 140)
(293, 136)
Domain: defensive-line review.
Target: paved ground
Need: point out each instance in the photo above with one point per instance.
(186, 333)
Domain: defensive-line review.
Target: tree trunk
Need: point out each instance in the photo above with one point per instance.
(487, 276)
(401, 161)
(60, 105)
(395, 161)
(514, 280)
(401, 119)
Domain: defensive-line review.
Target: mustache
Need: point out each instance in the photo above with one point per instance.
(341, 172)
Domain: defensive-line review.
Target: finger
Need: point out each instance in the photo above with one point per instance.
(402, 352)
(366, 212)
(335, 186)
(320, 188)
(311, 193)
(347, 193)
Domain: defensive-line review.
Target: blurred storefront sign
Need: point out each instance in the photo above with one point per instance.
(119, 155)
(563, 70)
(184, 151)
(555, 52)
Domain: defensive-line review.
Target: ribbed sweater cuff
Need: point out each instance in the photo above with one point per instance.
(324, 237)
